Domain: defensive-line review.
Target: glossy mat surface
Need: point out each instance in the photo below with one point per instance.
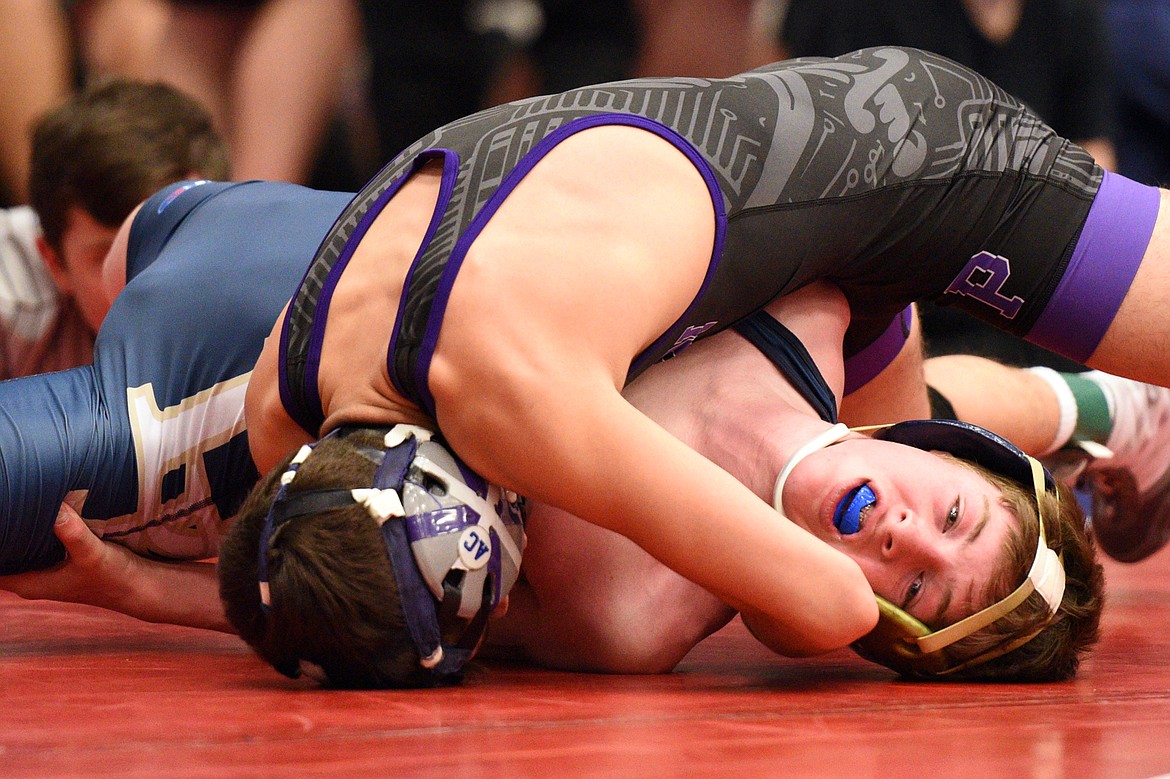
(90, 693)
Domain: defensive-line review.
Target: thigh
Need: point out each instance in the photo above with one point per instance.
(1134, 344)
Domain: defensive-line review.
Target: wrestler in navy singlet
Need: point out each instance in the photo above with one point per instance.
(149, 441)
(895, 174)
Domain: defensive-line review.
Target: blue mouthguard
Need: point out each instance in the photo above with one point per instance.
(847, 517)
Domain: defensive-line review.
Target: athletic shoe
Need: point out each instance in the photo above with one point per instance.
(1130, 491)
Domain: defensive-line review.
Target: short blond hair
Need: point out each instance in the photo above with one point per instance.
(1055, 653)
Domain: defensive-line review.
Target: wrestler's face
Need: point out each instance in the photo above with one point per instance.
(77, 264)
(930, 538)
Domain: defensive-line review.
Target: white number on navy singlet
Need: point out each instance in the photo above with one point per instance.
(173, 440)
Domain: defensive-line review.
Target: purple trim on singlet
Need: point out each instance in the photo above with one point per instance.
(511, 181)
(295, 411)
(286, 399)
(446, 187)
(321, 310)
(1108, 253)
(863, 367)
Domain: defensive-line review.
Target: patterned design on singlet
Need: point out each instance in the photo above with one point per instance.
(890, 142)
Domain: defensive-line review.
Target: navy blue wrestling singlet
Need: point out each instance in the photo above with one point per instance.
(149, 441)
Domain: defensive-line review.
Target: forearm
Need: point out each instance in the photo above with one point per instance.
(603, 461)
(171, 593)
(109, 576)
(175, 593)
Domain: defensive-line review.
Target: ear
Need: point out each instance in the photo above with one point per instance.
(114, 267)
(501, 608)
(55, 264)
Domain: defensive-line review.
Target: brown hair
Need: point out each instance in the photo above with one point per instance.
(1055, 653)
(334, 599)
(112, 146)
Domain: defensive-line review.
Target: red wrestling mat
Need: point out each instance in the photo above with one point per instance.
(90, 693)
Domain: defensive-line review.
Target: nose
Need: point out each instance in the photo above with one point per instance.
(906, 537)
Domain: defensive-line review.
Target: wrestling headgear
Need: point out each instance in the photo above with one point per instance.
(454, 541)
(908, 646)
(902, 642)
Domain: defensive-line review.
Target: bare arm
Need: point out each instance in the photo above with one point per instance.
(578, 445)
(109, 576)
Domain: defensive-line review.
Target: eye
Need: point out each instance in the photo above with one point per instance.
(952, 516)
(912, 592)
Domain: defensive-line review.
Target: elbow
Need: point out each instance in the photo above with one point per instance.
(831, 637)
(838, 621)
(856, 612)
(822, 626)
(857, 616)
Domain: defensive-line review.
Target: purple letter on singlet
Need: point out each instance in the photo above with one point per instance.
(983, 278)
(689, 336)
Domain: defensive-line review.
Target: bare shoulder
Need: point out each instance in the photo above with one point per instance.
(272, 433)
(596, 252)
(114, 267)
(595, 601)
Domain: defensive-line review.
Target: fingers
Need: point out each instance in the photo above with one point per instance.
(79, 541)
(68, 580)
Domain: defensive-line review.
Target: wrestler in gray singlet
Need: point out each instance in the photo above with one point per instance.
(895, 174)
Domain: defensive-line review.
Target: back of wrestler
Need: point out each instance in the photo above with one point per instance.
(148, 443)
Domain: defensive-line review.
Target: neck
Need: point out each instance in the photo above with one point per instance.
(727, 401)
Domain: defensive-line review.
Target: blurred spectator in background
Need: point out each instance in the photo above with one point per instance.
(116, 38)
(48, 48)
(326, 91)
(35, 67)
(94, 159)
(270, 71)
(702, 38)
(1140, 37)
(1052, 54)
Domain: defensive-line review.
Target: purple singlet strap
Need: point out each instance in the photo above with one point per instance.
(863, 367)
(1101, 269)
(303, 402)
(450, 271)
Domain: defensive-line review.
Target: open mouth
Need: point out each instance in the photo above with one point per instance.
(853, 509)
